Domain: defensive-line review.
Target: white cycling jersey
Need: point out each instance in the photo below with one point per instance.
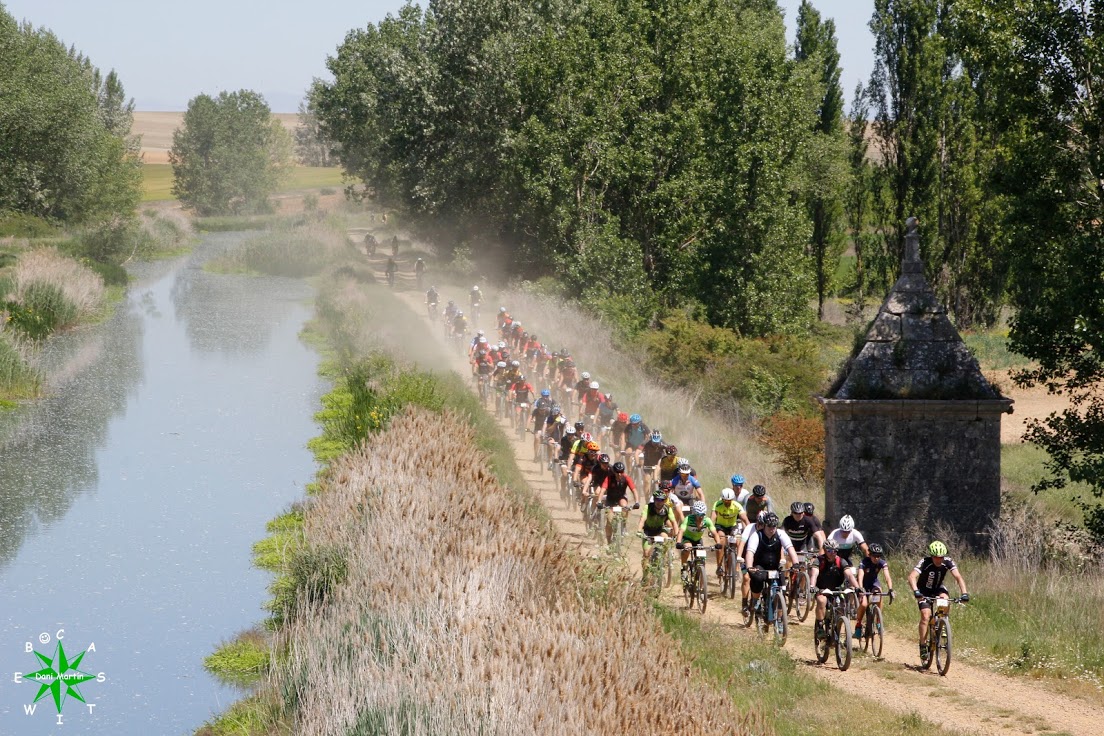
(846, 541)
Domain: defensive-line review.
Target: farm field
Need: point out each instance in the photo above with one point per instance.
(157, 180)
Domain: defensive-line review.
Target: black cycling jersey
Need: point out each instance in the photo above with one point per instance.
(768, 553)
(566, 443)
(817, 526)
(871, 570)
(598, 474)
(831, 575)
(653, 451)
(931, 575)
(800, 532)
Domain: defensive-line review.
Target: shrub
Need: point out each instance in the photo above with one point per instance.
(43, 309)
(81, 287)
(23, 225)
(798, 445)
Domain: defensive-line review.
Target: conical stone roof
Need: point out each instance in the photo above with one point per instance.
(912, 351)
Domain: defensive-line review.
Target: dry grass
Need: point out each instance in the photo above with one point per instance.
(456, 616)
(718, 446)
(82, 287)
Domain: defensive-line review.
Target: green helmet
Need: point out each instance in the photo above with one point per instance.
(937, 549)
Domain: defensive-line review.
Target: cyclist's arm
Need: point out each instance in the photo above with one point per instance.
(744, 518)
(958, 579)
(681, 530)
(889, 578)
(861, 575)
(913, 579)
(749, 551)
(814, 573)
(818, 536)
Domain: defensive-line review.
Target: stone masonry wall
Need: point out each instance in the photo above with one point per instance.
(902, 468)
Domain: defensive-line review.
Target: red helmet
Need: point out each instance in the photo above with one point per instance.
(622, 417)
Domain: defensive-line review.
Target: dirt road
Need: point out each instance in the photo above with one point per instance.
(969, 699)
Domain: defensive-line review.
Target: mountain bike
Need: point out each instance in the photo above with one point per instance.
(939, 634)
(695, 586)
(800, 599)
(475, 310)
(521, 411)
(595, 519)
(770, 610)
(483, 379)
(872, 622)
(500, 402)
(432, 310)
(836, 633)
(657, 572)
(731, 578)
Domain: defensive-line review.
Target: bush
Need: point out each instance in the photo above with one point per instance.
(798, 445)
(43, 310)
(22, 225)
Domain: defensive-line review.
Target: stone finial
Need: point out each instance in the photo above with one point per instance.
(911, 262)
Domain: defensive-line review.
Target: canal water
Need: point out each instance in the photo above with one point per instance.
(131, 496)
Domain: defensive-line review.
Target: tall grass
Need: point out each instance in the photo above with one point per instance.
(82, 288)
(296, 252)
(18, 380)
(717, 443)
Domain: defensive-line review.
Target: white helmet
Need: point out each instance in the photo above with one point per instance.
(482, 341)
(585, 376)
(594, 384)
(480, 333)
(501, 364)
(501, 344)
(847, 524)
(727, 494)
(698, 509)
(502, 310)
(474, 288)
(570, 429)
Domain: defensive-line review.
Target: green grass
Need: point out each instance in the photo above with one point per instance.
(1022, 467)
(17, 379)
(157, 180)
(241, 661)
(990, 347)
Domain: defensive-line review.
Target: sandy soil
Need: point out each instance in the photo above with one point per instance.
(970, 699)
(156, 129)
(1033, 403)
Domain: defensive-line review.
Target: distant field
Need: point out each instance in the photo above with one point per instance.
(158, 179)
(156, 129)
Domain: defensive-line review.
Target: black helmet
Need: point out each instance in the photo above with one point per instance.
(797, 508)
(579, 426)
(876, 550)
(809, 508)
(759, 490)
(603, 458)
(771, 519)
(619, 467)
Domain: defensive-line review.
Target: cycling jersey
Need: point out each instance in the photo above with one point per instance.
(579, 448)
(653, 452)
(567, 443)
(431, 297)
(685, 490)
(816, 522)
(654, 521)
(599, 475)
(522, 392)
(871, 569)
(616, 488)
(581, 387)
(693, 531)
(755, 504)
(637, 434)
(931, 576)
(801, 532)
(831, 576)
(606, 411)
(668, 466)
(847, 541)
(553, 428)
(767, 551)
(727, 516)
(592, 399)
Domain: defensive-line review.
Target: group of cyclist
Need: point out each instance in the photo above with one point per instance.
(675, 507)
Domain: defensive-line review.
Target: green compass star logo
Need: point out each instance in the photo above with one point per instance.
(60, 677)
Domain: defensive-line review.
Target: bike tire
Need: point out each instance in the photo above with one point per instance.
(749, 615)
(703, 588)
(781, 619)
(688, 590)
(762, 619)
(802, 599)
(843, 643)
(668, 558)
(731, 581)
(926, 662)
(943, 647)
(872, 637)
(822, 645)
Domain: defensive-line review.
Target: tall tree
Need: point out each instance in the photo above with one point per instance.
(229, 154)
(827, 163)
(860, 186)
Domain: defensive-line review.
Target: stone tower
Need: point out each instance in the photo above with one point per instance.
(912, 427)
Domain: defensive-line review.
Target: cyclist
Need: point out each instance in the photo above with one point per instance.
(502, 318)
(459, 324)
(686, 487)
(617, 428)
(869, 568)
(669, 464)
(693, 527)
(583, 465)
(766, 551)
(522, 391)
(829, 573)
(432, 297)
(607, 415)
(475, 297)
(567, 441)
(370, 244)
(847, 538)
(727, 515)
(656, 520)
(614, 490)
(419, 270)
(395, 245)
(591, 399)
(637, 433)
(483, 365)
(390, 270)
(926, 581)
(758, 501)
(651, 452)
(801, 530)
(514, 337)
(554, 428)
(810, 513)
(450, 311)
(581, 386)
(542, 407)
(737, 482)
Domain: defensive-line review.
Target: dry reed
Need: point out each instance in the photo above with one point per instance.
(457, 616)
(81, 286)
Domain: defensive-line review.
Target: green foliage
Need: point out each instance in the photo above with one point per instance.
(241, 661)
(23, 225)
(43, 310)
(17, 379)
(65, 150)
(229, 154)
(308, 578)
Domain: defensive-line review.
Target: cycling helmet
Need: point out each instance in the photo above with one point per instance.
(698, 509)
(797, 508)
(737, 480)
(555, 355)
(569, 430)
(671, 450)
(937, 549)
(556, 408)
(592, 446)
(664, 484)
(759, 490)
(501, 344)
(579, 426)
(659, 497)
(657, 436)
(684, 469)
(594, 384)
(809, 508)
(603, 458)
(517, 324)
(847, 524)
(482, 341)
(545, 393)
(585, 376)
(565, 352)
(480, 333)
(830, 545)
(482, 353)
(451, 303)
(533, 337)
(635, 419)
(515, 364)
(771, 519)
(619, 467)
(502, 310)
(762, 517)
(521, 378)
(474, 288)
(727, 494)
(876, 550)
(588, 437)
(622, 417)
(500, 364)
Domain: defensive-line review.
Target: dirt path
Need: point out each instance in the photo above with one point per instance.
(969, 699)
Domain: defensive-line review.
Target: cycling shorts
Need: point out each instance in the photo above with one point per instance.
(925, 604)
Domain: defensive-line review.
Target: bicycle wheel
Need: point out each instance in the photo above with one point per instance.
(803, 601)
(688, 592)
(762, 615)
(781, 619)
(618, 530)
(655, 570)
(943, 646)
(821, 644)
(926, 661)
(843, 643)
(747, 610)
(872, 631)
(703, 587)
(730, 573)
(669, 563)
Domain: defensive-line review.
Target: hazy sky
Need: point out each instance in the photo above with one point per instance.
(167, 52)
